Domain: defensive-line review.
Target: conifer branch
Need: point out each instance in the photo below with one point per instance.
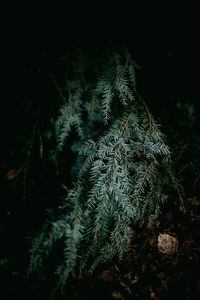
(147, 110)
(123, 168)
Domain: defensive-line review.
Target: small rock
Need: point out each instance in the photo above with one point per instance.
(167, 244)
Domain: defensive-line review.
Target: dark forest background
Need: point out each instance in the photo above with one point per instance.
(168, 80)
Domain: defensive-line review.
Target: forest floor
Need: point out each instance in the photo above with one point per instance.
(152, 269)
(148, 271)
(163, 260)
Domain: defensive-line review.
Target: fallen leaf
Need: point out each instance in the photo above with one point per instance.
(153, 268)
(194, 201)
(157, 223)
(106, 276)
(117, 295)
(129, 275)
(143, 267)
(164, 284)
(11, 174)
(151, 242)
(182, 209)
(152, 295)
(149, 226)
(117, 268)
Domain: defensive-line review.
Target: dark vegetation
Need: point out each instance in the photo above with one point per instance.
(33, 176)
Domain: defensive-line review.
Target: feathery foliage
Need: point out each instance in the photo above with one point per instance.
(122, 171)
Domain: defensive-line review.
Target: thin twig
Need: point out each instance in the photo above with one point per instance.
(147, 110)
